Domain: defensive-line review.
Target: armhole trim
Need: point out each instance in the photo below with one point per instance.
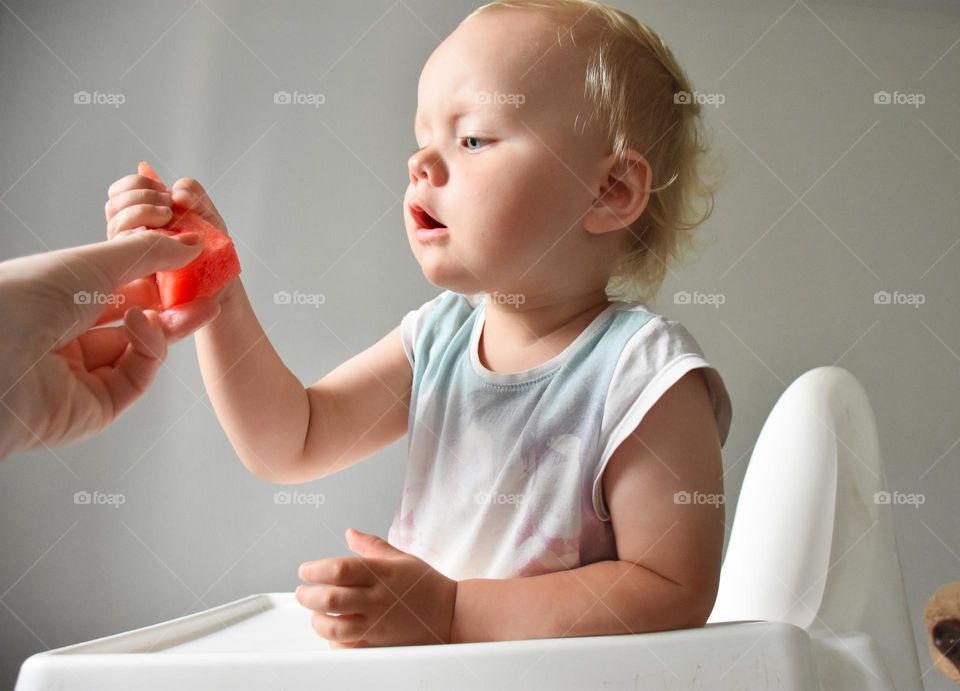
(664, 379)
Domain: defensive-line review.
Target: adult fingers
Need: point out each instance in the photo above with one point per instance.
(101, 347)
(136, 368)
(98, 269)
(119, 261)
(182, 320)
(142, 292)
(147, 335)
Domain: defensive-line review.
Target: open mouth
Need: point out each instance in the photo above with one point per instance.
(423, 219)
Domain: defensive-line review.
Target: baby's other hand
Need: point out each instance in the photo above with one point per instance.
(354, 599)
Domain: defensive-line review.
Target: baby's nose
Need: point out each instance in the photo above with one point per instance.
(424, 165)
(418, 168)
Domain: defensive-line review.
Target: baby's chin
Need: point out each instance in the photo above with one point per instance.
(444, 270)
(448, 278)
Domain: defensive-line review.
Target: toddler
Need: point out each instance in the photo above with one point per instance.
(564, 474)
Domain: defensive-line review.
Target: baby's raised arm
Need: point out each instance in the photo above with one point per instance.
(282, 431)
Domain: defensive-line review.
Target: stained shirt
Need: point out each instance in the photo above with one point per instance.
(504, 470)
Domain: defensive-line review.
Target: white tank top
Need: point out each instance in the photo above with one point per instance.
(504, 469)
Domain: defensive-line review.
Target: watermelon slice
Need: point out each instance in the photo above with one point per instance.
(216, 266)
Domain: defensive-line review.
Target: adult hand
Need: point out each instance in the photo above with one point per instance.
(60, 379)
(384, 597)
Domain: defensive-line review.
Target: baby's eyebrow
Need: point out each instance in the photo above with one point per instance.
(497, 109)
(453, 117)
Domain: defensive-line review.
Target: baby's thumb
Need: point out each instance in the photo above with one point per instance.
(368, 545)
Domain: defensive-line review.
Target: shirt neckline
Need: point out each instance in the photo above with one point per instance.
(538, 370)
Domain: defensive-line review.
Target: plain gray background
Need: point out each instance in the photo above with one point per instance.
(312, 196)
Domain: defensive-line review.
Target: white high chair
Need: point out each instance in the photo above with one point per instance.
(811, 598)
(813, 543)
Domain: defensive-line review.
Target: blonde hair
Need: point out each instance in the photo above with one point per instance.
(632, 81)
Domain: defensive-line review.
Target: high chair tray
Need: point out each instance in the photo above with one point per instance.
(265, 642)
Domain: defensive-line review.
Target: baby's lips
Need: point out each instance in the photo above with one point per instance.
(424, 217)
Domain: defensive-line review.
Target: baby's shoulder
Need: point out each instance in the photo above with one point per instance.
(652, 335)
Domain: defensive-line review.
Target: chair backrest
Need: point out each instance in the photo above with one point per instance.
(812, 542)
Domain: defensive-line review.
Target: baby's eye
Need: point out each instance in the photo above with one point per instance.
(471, 142)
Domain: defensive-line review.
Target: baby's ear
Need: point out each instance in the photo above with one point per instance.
(623, 195)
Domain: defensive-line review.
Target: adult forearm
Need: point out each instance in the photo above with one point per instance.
(607, 597)
(15, 434)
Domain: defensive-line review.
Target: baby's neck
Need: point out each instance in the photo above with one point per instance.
(516, 337)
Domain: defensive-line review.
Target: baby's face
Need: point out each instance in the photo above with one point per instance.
(500, 163)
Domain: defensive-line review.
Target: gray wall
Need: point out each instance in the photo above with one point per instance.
(311, 195)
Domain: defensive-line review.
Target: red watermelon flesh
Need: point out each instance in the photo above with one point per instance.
(216, 266)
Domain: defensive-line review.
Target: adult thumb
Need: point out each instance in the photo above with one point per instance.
(103, 267)
(138, 253)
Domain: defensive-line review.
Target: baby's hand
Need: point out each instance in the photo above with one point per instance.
(384, 597)
(135, 201)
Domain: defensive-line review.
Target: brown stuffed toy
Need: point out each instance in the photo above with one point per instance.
(942, 620)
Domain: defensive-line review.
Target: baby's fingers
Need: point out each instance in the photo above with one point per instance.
(149, 215)
(134, 182)
(121, 201)
(189, 194)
